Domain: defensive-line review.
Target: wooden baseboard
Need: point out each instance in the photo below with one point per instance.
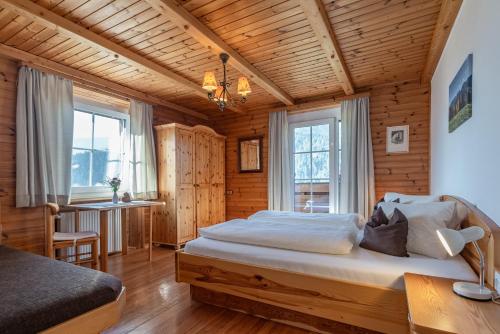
(278, 314)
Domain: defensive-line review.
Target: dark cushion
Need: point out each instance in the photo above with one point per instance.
(378, 218)
(386, 236)
(37, 293)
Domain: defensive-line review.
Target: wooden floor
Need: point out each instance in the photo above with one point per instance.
(157, 304)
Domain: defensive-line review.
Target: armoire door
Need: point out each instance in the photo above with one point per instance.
(218, 204)
(185, 193)
(217, 181)
(202, 179)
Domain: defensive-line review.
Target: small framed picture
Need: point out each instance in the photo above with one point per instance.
(398, 139)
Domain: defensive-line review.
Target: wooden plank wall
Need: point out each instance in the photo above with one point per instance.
(401, 104)
(25, 227)
(391, 104)
(249, 190)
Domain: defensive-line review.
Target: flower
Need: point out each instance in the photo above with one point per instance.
(114, 183)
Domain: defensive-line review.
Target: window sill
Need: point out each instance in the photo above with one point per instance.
(94, 197)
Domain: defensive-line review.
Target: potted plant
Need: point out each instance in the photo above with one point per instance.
(114, 183)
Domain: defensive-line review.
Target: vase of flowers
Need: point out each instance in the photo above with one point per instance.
(114, 183)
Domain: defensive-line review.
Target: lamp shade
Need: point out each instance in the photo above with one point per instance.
(454, 241)
(219, 94)
(243, 86)
(209, 82)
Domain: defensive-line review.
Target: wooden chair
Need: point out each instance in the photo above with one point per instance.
(61, 240)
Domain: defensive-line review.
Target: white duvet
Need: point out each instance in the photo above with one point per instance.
(333, 235)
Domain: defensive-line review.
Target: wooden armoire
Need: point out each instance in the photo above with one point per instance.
(191, 181)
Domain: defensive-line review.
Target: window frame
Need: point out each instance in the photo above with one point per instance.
(101, 192)
(318, 118)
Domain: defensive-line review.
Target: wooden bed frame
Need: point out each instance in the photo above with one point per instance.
(94, 321)
(312, 302)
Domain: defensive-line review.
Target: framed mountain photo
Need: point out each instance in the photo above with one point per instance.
(460, 96)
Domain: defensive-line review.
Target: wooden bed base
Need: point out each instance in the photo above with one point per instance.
(94, 321)
(307, 298)
(275, 313)
(361, 305)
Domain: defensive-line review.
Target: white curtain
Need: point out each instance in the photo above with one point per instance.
(357, 189)
(44, 138)
(279, 179)
(143, 184)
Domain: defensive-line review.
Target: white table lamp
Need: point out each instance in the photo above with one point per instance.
(454, 241)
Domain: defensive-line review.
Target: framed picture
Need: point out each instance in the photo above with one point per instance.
(398, 140)
(250, 154)
(460, 96)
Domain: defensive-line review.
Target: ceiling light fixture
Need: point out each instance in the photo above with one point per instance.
(219, 93)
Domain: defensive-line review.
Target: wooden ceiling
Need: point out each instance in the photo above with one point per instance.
(283, 45)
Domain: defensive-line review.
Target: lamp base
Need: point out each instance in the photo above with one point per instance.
(472, 291)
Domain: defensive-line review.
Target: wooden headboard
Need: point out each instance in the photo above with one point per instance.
(489, 244)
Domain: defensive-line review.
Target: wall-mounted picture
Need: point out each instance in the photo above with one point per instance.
(398, 139)
(460, 96)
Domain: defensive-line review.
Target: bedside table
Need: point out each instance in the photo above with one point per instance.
(434, 308)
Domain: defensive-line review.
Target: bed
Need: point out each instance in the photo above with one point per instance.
(48, 296)
(303, 289)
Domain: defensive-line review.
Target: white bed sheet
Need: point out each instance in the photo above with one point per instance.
(360, 266)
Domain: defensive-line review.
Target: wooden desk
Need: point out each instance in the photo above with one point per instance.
(435, 308)
(104, 208)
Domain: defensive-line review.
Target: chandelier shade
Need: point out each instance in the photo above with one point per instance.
(209, 82)
(243, 86)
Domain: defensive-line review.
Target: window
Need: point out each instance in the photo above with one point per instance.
(314, 161)
(99, 140)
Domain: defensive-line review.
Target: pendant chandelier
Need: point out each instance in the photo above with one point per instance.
(219, 93)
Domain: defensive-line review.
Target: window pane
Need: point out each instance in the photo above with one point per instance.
(80, 168)
(302, 166)
(103, 168)
(107, 133)
(321, 137)
(302, 139)
(113, 169)
(99, 167)
(320, 165)
(82, 130)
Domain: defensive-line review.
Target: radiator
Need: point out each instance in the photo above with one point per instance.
(89, 221)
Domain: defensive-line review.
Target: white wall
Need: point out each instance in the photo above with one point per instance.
(467, 162)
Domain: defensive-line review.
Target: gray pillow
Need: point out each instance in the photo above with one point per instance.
(386, 236)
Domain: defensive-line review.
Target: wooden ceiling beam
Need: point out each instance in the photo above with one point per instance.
(91, 80)
(181, 17)
(320, 23)
(447, 15)
(68, 28)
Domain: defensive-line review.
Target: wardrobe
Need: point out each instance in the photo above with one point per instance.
(191, 182)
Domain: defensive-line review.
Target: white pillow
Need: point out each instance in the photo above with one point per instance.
(424, 219)
(290, 216)
(389, 197)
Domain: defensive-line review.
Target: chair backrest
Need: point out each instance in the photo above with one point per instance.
(51, 213)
